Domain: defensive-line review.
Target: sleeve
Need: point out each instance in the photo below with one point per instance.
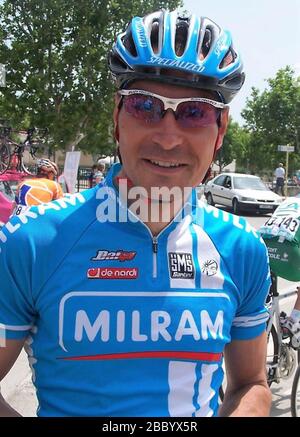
(16, 304)
(251, 315)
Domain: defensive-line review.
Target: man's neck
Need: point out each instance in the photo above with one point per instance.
(155, 214)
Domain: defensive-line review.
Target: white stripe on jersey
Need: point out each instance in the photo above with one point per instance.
(244, 321)
(15, 327)
(206, 392)
(208, 252)
(182, 378)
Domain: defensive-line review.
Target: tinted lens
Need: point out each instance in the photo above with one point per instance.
(145, 108)
(196, 114)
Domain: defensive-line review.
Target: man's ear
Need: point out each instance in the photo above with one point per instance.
(222, 129)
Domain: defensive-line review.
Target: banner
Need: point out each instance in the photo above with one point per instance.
(71, 170)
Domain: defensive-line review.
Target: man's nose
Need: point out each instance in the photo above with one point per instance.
(168, 133)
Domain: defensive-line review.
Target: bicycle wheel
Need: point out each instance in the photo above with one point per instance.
(4, 158)
(295, 396)
(28, 163)
(272, 354)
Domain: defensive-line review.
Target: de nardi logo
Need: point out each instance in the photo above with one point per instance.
(181, 265)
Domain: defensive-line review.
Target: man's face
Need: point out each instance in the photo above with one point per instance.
(148, 148)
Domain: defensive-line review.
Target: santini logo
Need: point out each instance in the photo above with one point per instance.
(181, 265)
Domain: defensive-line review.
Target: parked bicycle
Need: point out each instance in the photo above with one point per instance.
(20, 156)
(282, 358)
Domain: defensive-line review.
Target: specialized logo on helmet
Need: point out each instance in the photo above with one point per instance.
(177, 64)
(119, 255)
(141, 34)
(210, 267)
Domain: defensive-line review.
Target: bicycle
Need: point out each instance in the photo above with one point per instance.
(24, 153)
(282, 358)
(295, 395)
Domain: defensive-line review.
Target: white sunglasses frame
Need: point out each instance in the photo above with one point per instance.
(170, 103)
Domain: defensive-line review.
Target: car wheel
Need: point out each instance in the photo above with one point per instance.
(210, 199)
(236, 206)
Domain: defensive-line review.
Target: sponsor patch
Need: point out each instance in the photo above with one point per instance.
(181, 265)
(210, 267)
(118, 255)
(112, 273)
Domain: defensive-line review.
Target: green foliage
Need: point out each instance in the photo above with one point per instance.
(272, 119)
(55, 55)
(234, 145)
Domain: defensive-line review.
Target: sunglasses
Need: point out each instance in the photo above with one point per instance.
(191, 112)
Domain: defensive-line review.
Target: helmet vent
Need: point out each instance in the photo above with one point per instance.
(117, 63)
(128, 42)
(206, 44)
(182, 27)
(154, 36)
(229, 58)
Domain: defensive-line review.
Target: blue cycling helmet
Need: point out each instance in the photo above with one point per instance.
(154, 46)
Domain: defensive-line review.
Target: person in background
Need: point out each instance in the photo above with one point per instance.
(41, 189)
(279, 175)
(92, 176)
(99, 173)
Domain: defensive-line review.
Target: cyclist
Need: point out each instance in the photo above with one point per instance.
(143, 286)
(41, 189)
(281, 233)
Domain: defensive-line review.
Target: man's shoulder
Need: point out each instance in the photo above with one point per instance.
(226, 228)
(43, 221)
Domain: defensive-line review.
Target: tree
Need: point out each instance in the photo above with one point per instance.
(55, 55)
(273, 118)
(234, 145)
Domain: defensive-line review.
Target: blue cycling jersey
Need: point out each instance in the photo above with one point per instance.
(119, 323)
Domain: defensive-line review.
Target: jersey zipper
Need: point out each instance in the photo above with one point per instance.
(154, 256)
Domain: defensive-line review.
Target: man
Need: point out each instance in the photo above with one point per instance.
(279, 175)
(41, 189)
(142, 287)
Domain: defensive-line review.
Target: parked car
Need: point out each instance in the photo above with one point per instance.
(241, 192)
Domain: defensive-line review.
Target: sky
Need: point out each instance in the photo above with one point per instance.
(265, 32)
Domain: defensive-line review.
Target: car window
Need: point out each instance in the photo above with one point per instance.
(227, 182)
(219, 180)
(244, 183)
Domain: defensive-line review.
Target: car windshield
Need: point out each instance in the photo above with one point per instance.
(244, 183)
